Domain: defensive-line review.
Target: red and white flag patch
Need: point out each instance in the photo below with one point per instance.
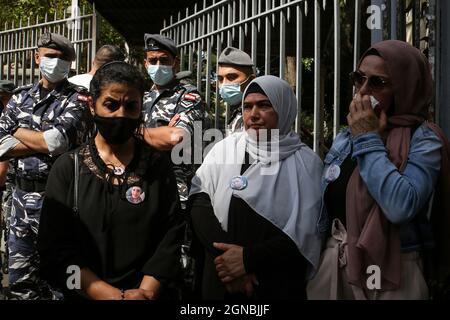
(83, 98)
(191, 96)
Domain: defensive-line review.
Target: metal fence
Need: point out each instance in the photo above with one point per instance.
(268, 29)
(18, 43)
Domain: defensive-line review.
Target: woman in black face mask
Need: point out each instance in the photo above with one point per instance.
(110, 224)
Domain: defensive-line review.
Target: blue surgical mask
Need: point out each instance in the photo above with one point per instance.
(54, 69)
(231, 93)
(160, 74)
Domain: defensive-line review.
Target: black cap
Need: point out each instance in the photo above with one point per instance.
(7, 86)
(155, 42)
(58, 42)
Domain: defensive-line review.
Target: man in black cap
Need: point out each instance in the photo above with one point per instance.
(168, 97)
(172, 96)
(236, 70)
(40, 122)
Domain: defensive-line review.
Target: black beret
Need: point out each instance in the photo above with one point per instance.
(58, 42)
(155, 42)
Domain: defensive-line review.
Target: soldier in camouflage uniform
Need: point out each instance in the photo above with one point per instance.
(169, 97)
(236, 70)
(6, 91)
(40, 122)
(172, 95)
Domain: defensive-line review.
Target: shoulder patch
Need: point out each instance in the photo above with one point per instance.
(186, 104)
(192, 96)
(83, 98)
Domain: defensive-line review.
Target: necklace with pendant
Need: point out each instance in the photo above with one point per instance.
(118, 171)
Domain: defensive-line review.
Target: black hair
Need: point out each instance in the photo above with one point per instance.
(254, 88)
(116, 72)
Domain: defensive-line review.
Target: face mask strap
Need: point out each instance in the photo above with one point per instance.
(248, 78)
(239, 84)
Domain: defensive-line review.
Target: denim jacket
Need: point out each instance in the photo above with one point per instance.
(403, 197)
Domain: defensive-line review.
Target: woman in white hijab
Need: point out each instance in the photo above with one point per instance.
(256, 200)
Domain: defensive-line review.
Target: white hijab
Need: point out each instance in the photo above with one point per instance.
(283, 186)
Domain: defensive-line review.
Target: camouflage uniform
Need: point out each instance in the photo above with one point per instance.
(6, 213)
(160, 107)
(60, 116)
(236, 121)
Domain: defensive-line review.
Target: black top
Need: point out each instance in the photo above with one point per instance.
(118, 240)
(336, 192)
(268, 252)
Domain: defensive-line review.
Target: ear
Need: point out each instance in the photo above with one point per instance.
(247, 82)
(37, 57)
(91, 105)
(176, 65)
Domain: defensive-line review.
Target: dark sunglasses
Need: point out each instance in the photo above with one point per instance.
(376, 83)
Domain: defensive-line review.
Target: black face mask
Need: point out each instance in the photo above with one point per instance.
(116, 130)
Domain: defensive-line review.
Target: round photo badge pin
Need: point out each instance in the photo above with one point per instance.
(238, 183)
(135, 195)
(332, 173)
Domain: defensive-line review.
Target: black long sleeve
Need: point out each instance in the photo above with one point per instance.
(270, 254)
(164, 263)
(205, 223)
(60, 230)
(119, 240)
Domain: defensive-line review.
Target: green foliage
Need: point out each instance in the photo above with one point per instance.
(20, 10)
(108, 35)
(308, 63)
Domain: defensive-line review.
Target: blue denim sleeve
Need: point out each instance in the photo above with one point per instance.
(400, 195)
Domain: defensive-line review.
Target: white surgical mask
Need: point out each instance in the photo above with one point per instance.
(54, 69)
(160, 74)
(374, 102)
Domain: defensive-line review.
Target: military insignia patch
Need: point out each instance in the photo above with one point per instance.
(191, 96)
(83, 98)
